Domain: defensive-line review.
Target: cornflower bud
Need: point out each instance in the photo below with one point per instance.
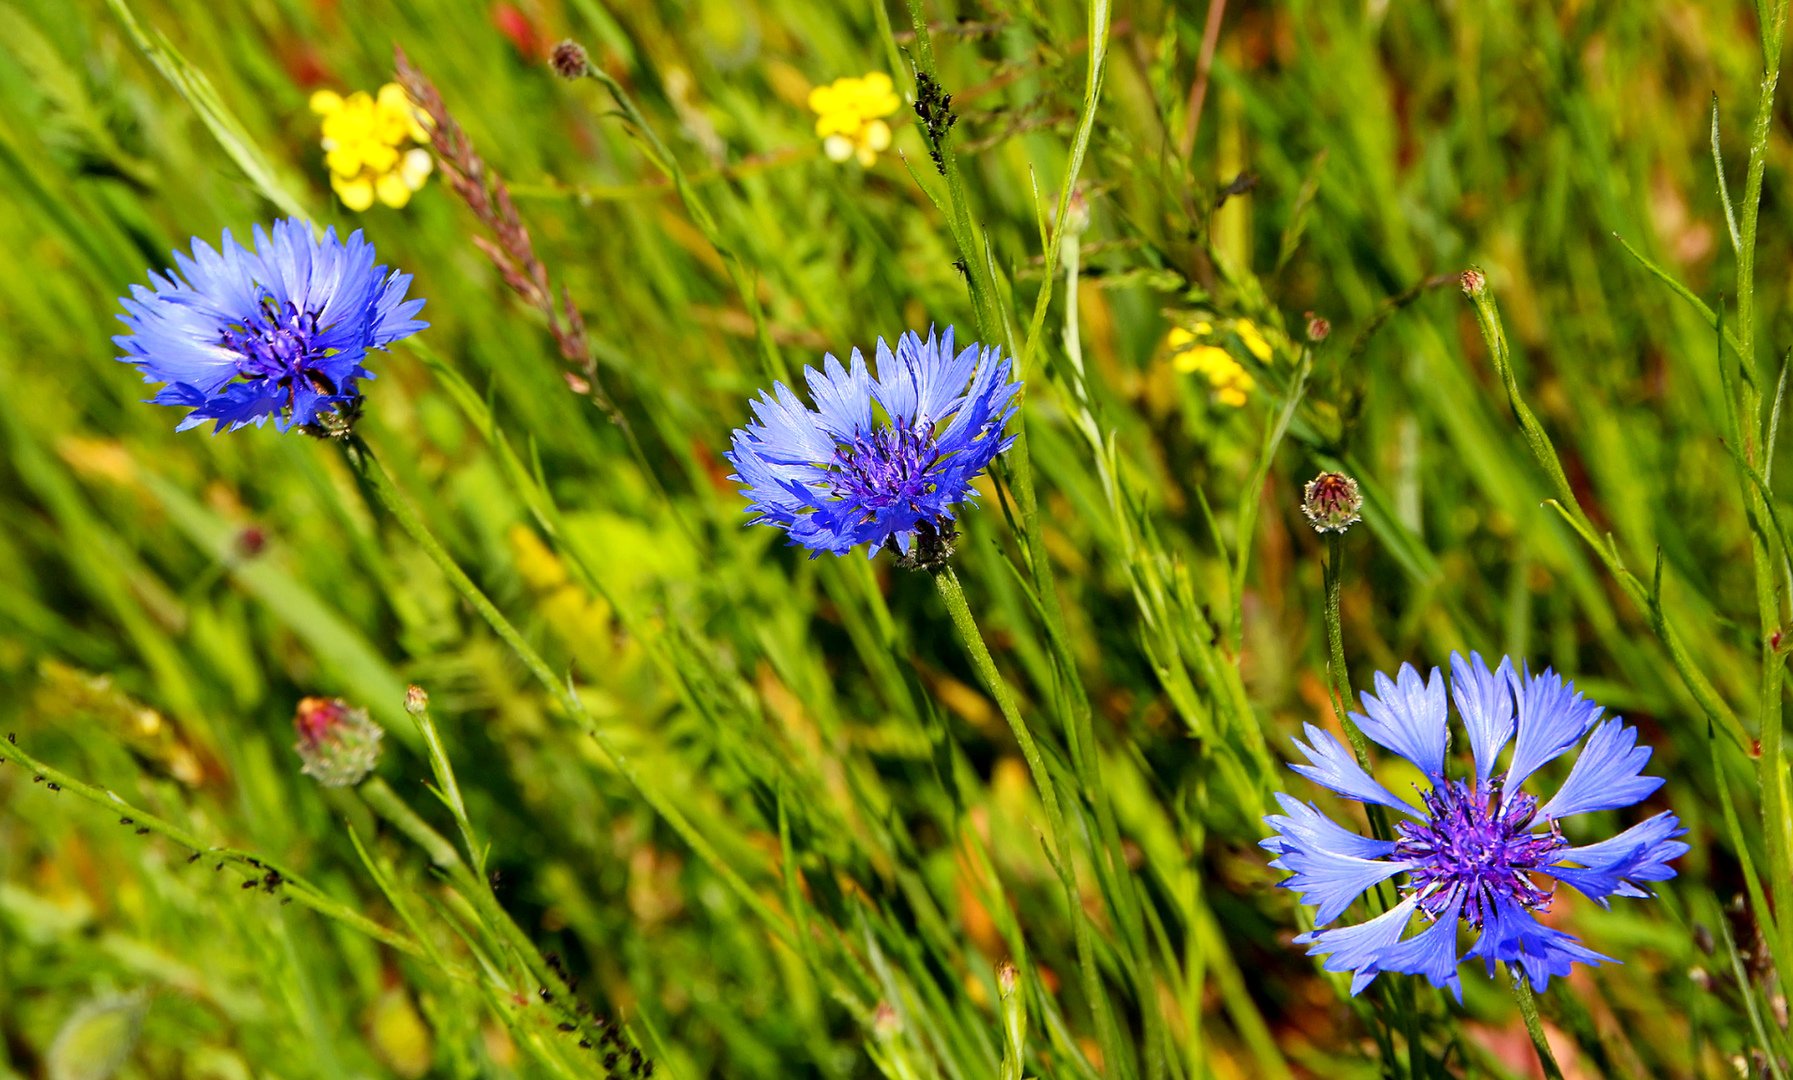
(339, 745)
(1331, 502)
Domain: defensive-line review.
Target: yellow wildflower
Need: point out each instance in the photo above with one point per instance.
(365, 141)
(849, 116)
(1231, 382)
(1253, 339)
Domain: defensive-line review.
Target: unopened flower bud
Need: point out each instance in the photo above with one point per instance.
(1474, 281)
(1331, 502)
(885, 1021)
(1318, 328)
(569, 60)
(339, 745)
(1006, 978)
(417, 700)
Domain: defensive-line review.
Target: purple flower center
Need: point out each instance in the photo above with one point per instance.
(1475, 846)
(280, 344)
(886, 467)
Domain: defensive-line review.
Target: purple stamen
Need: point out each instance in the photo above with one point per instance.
(279, 345)
(886, 467)
(1475, 846)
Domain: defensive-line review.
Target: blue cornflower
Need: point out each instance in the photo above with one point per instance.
(1475, 850)
(880, 460)
(279, 331)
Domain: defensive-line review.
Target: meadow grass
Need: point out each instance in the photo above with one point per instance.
(680, 794)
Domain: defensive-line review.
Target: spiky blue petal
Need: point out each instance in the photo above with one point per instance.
(1360, 949)
(1607, 775)
(1432, 952)
(1617, 866)
(1407, 715)
(844, 474)
(1329, 866)
(1485, 702)
(1512, 936)
(240, 336)
(1552, 718)
(1335, 769)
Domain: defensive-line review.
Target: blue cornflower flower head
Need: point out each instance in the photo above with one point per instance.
(1474, 852)
(240, 336)
(881, 459)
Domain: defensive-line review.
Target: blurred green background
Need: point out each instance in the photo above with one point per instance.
(872, 846)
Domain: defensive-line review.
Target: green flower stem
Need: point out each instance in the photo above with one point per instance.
(369, 469)
(1528, 1008)
(291, 885)
(1064, 854)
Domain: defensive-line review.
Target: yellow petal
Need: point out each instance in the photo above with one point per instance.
(1203, 328)
(836, 123)
(1179, 339)
(392, 190)
(379, 156)
(1231, 396)
(823, 99)
(325, 102)
(1253, 339)
(356, 194)
(1209, 359)
(876, 136)
(867, 156)
(415, 167)
(392, 98)
(344, 161)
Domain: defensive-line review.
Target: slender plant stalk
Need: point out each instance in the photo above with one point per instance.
(1064, 853)
(1528, 1008)
(367, 466)
(1770, 601)
(289, 884)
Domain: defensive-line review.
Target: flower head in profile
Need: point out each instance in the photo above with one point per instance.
(242, 335)
(1480, 853)
(850, 116)
(882, 459)
(338, 744)
(369, 146)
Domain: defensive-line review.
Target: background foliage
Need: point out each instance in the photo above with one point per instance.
(865, 844)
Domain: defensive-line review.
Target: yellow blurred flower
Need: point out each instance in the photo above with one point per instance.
(1231, 382)
(366, 140)
(849, 116)
(1253, 339)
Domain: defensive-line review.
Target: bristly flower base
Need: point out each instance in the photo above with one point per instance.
(930, 549)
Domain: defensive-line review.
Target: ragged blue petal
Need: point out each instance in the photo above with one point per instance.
(1607, 775)
(1361, 949)
(1485, 702)
(1335, 769)
(1512, 936)
(1552, 718)
(1617, 866)
(1330, 866)
(1409, 716)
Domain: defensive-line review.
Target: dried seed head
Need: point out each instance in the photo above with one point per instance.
(1318, 328)
(339, 745)
(1331, 502)
(569, 60)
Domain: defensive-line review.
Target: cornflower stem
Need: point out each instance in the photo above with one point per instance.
(1337, 674)
(290, 885)
(368, 467)
(953, 594)
(1770, 601)
(1528, 1008)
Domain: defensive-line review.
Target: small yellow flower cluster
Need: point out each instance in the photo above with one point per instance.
(1192, 353)
(365, 141)
(849, 116)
